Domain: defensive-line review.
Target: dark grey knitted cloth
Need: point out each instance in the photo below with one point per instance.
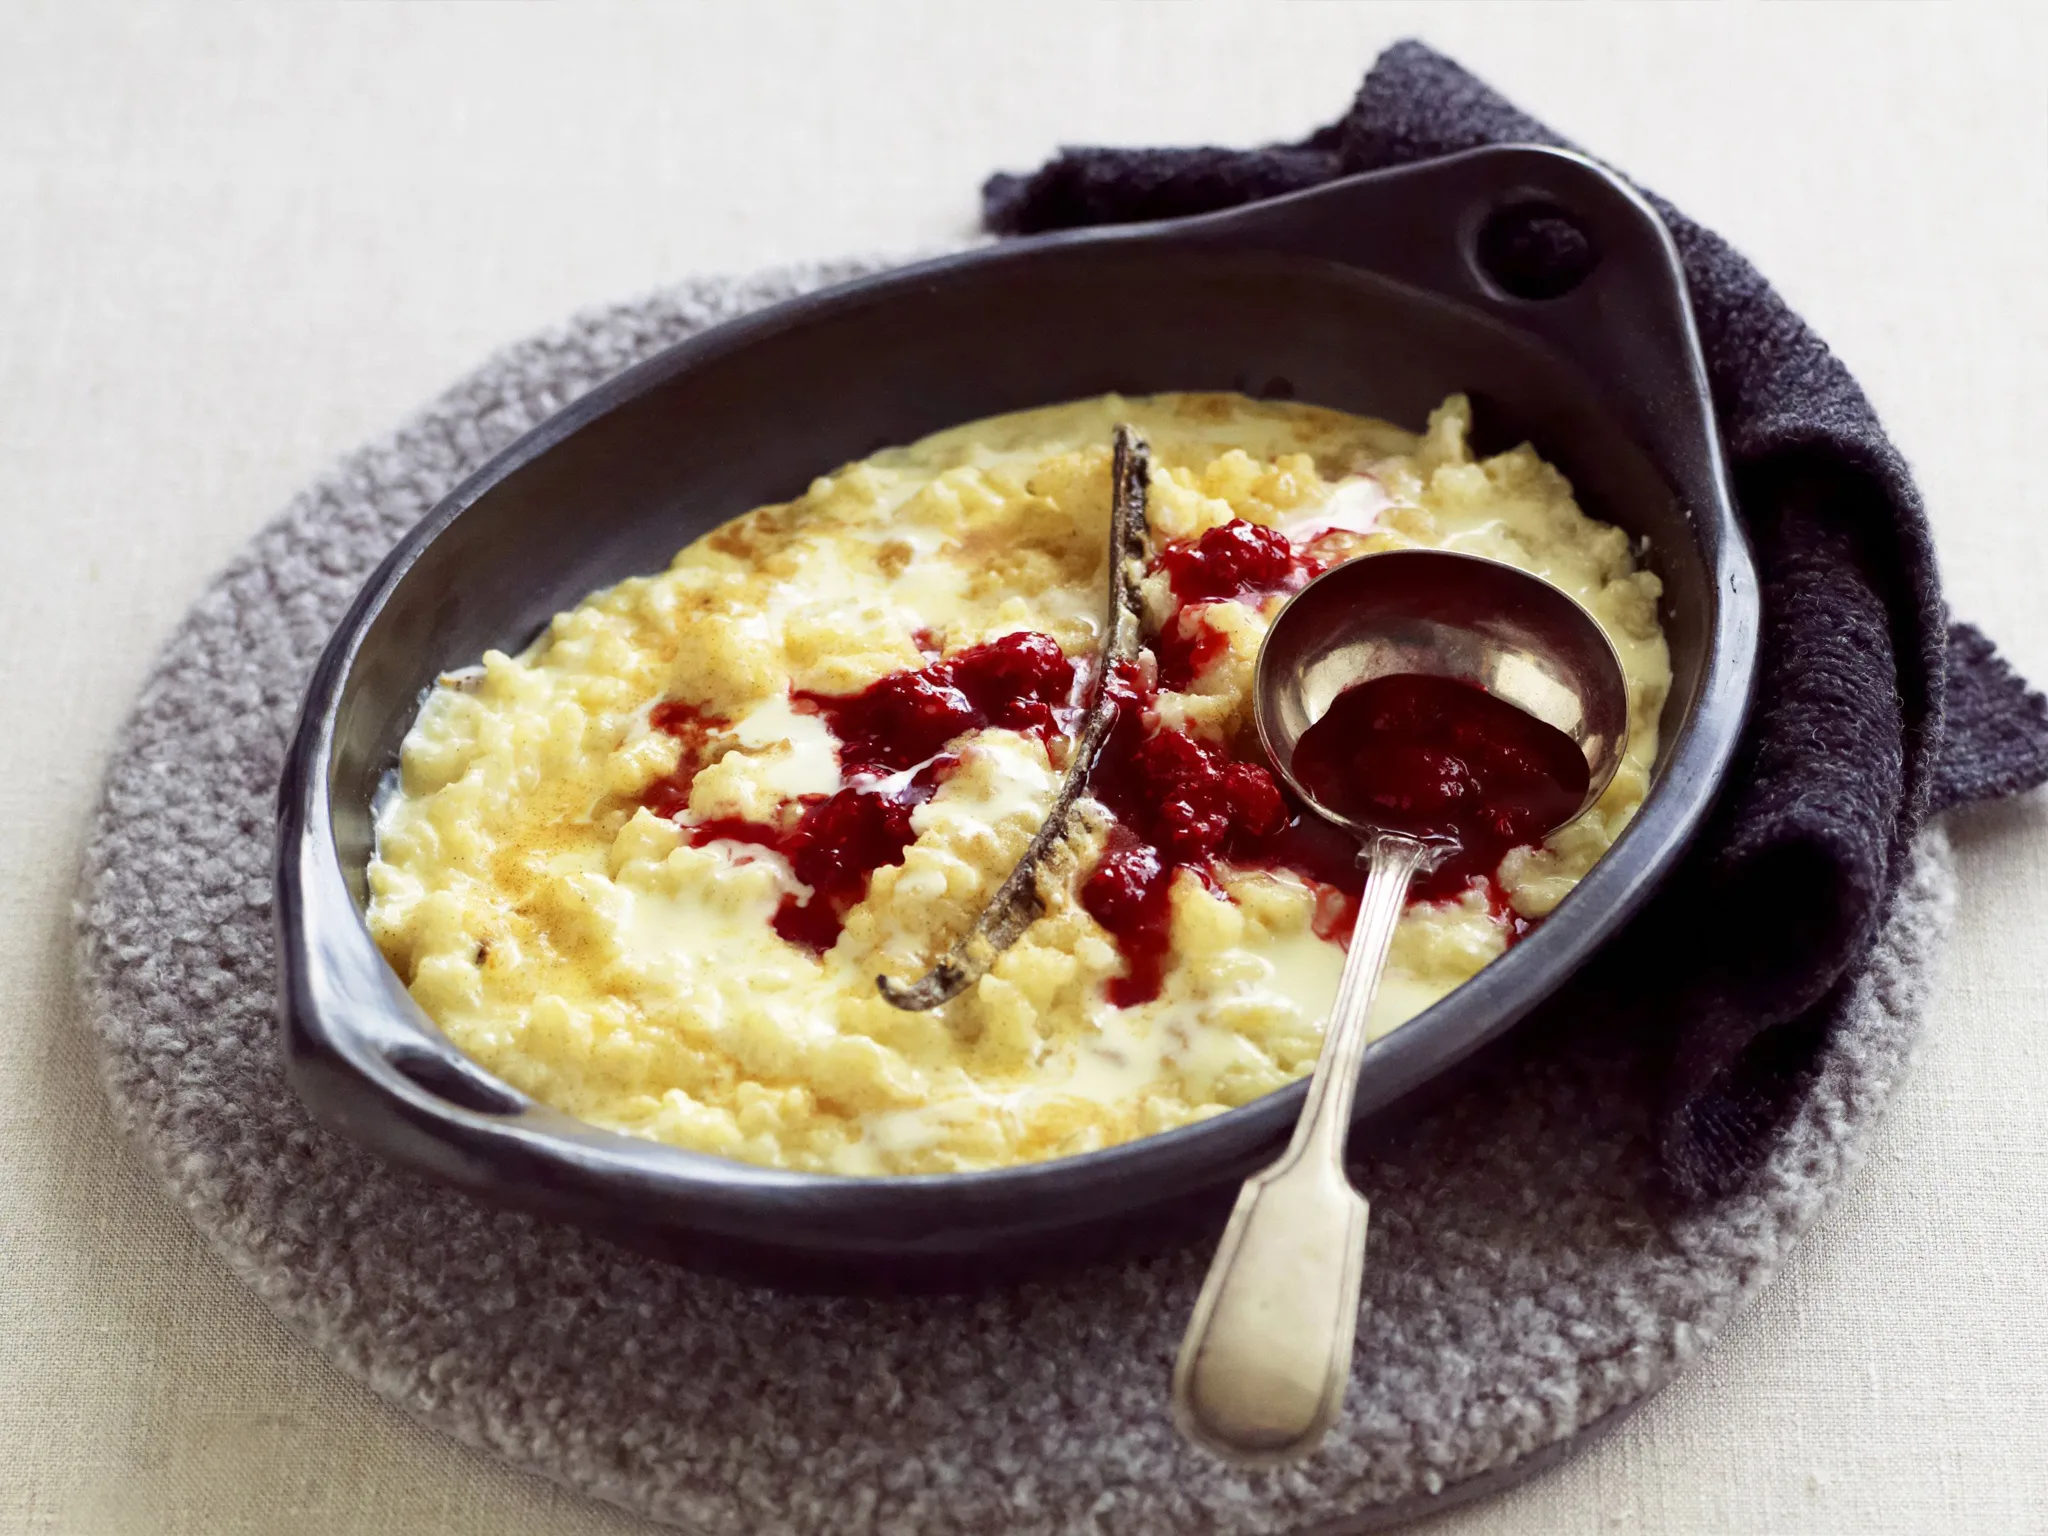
(1526, 1285)
(1854, 736)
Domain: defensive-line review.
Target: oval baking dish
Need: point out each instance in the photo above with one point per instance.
(1376, 295)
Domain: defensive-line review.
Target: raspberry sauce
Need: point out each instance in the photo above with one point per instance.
(669, 795)
(1238, 562)
(833, 847)
(1022, 681)
(1187, 645)
(1179, 802)
(1439, 757)
(904, 721)
(1239, 559)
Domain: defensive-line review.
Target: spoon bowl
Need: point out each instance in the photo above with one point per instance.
(1449, 615)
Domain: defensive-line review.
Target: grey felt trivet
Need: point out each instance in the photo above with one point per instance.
(1525, 1285)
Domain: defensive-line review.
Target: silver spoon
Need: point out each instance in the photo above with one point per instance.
(1267, 1354)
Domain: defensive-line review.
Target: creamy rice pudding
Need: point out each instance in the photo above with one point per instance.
(649, 870)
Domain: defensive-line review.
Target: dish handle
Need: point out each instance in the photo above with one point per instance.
(1544, 240)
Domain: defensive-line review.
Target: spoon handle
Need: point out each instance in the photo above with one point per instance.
(1267, 1353)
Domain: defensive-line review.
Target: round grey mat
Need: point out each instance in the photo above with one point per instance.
(1524, 1285)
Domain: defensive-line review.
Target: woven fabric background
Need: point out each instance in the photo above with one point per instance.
(237, 243)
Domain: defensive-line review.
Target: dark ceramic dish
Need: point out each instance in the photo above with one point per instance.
(1381, 295)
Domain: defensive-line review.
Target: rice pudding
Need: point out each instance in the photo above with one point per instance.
(649, 870)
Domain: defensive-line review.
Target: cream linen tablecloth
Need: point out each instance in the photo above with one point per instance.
(235, 242)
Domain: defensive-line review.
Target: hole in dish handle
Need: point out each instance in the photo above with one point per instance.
(457, 1083)
(1531, 248)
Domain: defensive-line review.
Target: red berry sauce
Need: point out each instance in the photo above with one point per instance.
(1427, 754)
(1440, 757)
(902, 722)
(1182, 802)
(1238, 562)
(1179, 802)
(1023, 681)
(1187, 645)
(1239, 559)
(833, 847)
(670, 795)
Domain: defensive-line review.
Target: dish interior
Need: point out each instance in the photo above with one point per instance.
(747, 415)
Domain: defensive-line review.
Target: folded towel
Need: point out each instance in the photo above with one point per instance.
(1871, 710)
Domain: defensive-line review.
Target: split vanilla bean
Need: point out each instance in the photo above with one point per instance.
(1017, 902)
